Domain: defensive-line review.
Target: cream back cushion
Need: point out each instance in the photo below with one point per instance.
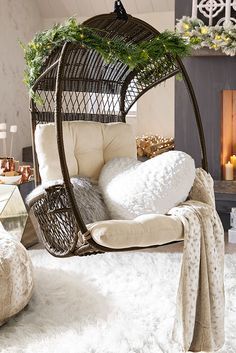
(88, 146)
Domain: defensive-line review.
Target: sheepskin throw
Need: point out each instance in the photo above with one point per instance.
(88, 197)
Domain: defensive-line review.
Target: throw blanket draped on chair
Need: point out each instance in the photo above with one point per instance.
(200, 301)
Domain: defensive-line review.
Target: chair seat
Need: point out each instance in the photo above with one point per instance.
(143, 231)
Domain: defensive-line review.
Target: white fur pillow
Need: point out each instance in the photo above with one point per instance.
(132, 188)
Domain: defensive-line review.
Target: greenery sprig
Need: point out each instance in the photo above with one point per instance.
(198, 35)
(133, 55)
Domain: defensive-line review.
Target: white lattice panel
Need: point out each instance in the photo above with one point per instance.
(215, 12)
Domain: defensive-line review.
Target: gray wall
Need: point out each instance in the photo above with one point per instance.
(209, 76)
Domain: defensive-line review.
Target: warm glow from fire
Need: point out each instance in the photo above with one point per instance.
(228, 137)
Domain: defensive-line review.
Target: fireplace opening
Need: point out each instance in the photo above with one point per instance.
(228, 135)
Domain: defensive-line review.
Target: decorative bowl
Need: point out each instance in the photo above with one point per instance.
(10, 179)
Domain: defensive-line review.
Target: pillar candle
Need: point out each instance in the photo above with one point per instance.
(233, 161)
(229, 171)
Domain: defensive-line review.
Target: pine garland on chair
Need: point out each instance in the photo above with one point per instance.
(147, 52)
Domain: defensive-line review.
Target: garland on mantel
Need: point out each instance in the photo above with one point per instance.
(198, 35)
(38, 50)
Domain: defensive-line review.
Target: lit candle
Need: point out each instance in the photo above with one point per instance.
(233, 161)
(229, 171)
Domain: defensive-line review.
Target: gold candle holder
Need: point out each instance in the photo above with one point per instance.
(7, 164)
(25, 171)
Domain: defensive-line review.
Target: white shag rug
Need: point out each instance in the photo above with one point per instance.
(110, 303)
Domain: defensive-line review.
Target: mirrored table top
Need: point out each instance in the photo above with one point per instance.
(13, 213)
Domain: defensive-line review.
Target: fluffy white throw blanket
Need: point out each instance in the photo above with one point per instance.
(200, 301)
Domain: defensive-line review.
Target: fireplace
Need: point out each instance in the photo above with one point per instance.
(228, 135)
(209, 74)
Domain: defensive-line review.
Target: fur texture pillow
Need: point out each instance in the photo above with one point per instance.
(87, 194)
(132, 188)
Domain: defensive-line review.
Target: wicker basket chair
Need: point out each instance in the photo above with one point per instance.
(76, 84)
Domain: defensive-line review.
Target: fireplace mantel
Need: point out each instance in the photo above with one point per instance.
(208, 52)
(226, 187)
(225, 196)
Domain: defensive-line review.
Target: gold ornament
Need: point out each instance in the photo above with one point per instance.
(152, 145)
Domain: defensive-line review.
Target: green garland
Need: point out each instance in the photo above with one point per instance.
(198, 35)
(38, 50)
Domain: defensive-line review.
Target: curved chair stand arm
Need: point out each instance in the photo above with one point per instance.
(60, 143)
(64, 168)
(197, 114)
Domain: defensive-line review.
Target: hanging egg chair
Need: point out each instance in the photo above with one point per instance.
(77, 84)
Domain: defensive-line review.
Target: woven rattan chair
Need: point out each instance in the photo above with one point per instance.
(95, 90)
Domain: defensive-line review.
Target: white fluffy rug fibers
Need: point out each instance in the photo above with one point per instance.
(110, 303)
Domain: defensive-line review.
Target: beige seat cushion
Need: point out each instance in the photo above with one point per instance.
(88, 146)
(145, 230)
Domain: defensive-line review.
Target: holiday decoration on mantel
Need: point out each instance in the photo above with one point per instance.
(212, 25)
(152, 145)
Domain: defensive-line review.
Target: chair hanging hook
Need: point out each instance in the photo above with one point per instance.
(120, 11)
